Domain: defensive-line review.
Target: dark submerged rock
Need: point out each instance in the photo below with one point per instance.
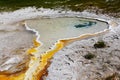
(86, 24)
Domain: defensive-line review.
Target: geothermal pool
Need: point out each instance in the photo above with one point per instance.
(54, 29)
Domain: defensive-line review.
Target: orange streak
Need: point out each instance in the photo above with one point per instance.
(45, 61)
(20, 75)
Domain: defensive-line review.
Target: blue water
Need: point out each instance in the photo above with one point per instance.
(86, 24)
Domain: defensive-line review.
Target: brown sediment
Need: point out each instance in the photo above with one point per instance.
(8, 73)
(17, 76)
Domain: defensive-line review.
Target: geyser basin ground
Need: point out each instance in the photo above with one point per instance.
(52, 30)
(40, 60)
(15, 40)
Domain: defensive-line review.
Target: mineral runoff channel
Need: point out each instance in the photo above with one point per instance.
(52, 35)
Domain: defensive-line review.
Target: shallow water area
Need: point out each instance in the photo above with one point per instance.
(54, 29)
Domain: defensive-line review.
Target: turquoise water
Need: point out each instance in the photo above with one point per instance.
(85, 24)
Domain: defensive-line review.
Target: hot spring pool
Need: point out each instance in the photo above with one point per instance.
(54, 29)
